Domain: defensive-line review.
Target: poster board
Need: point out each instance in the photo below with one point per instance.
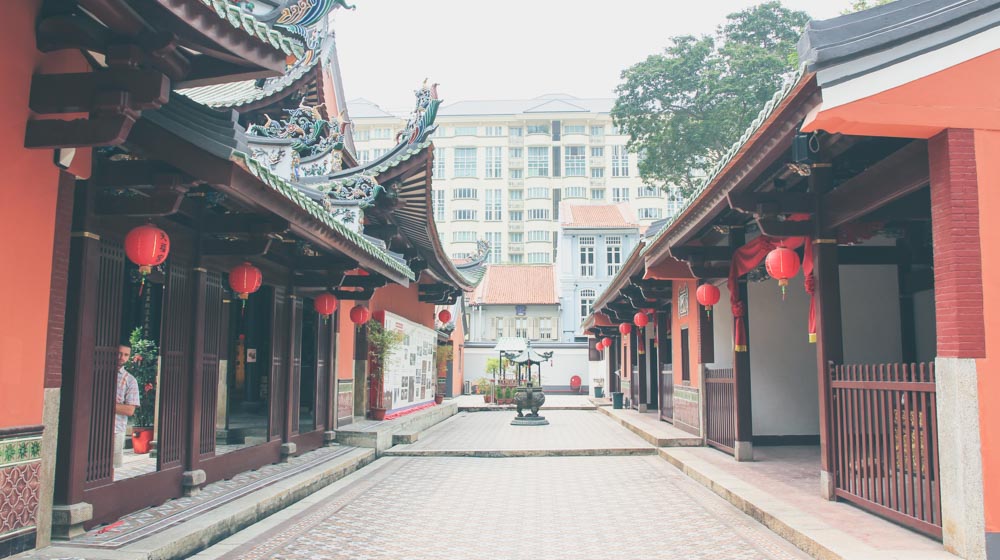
(409, 375)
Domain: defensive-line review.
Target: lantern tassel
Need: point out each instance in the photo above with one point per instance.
(142, 283)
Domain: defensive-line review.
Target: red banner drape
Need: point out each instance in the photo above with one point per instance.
(748, 257)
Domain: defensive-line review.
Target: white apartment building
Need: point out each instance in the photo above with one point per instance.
(501, 169)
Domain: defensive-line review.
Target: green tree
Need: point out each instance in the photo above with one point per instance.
(683, 108)
(143, 369)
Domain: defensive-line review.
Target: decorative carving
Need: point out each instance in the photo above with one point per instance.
(20, 463)
(305, 126)
(270, 159)
(421, 120)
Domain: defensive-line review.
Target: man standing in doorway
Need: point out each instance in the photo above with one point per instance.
(126, 401)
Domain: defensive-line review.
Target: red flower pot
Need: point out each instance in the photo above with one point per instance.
(438, 399)
(378, 414)
(488, 398)
(141, 437)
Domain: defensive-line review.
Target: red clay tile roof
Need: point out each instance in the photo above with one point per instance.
(513, 284)
(598, 216)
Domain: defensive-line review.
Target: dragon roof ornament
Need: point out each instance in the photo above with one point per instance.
(421, 120)
(309, 132)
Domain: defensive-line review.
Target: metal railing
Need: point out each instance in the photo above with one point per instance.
(720, 405)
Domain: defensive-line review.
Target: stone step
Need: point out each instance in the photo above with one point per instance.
(402, 451)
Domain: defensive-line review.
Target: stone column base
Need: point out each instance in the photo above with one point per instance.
(643, 407)
(826, 485)
(287, 450)
(192, 481)
(329, 438)
(67, 521)
(743, 450)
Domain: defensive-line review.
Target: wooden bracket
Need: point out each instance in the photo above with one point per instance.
(772, 203)
(255, 247)
(786, 228)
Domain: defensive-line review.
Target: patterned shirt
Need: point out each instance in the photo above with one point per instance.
(127, 393)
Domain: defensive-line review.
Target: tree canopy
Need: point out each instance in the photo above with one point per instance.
(683, 108)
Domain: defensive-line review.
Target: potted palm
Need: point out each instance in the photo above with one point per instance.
(442, 355)
(381, 344)
(484, 389)
(142, 366)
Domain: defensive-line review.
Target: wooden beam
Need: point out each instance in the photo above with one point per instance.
(244, 224)
(709, 272)
(687, 252)
(248, 248)
(78, 133)
(772, 203)
(381, 231)
(786, 228)
(325, 262)
(901, 173)
(81, 92)
(136, 173)
(159, 202)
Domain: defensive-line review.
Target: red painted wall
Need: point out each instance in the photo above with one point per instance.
(403, 302)
(690, 322)
(458, 357)
(29, 186)
(987, 145)
(345, 341)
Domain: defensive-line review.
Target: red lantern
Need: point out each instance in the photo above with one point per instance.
(782, 263)
(640, 319)
(360, 314)
(444, 316)
(325, 304)
(707, 295)
(606, 342)
(625, 328)
(245, 279)
(147, 246)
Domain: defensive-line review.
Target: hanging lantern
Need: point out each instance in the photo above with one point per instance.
(782, 263)
(599, 346)
(245, 279)
(147, 246)
(444, 316)
(606, 342)
(325, 304)
(625, 328)
(707, 295)
(640, 319)
(360, 314)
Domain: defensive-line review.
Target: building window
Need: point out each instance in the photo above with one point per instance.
(613, 244)
(597, 194)
(465, 193)
(362, 135)
(586, 303)
(674, 205)
(597, 172)
(576, 161)
(586, 256)
(615, 131)
(379, 152)
(597, 131)
(538, 128)
(516, 258)
(619, 161)
(494, 131)
(494, 162)
(516, 236)
(364, 156)
(493, 205)
(521, 327)
(539, 214)
(574, 129)
(619, 194)
(516, 194)
(575, 192)
(499, 327)
(459, 256)
(381, 133)
(465, 162)
(496, 246)
(437, 171)
(538, 235)
(538, 161)
(516, 215)
(465, 131)
(515, 131)
(460, 215)
(545, 327)
(437, 199)
(538, 258)
(650, 213)
(539, 192)
(597, 151)
(515, 153)
(463, 237)
(649, 191)
(517, 174)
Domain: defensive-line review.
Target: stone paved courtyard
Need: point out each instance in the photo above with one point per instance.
(532, 507)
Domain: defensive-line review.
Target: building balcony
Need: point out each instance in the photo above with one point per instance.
(516, 183)
(515, 141)
(515, 226)
(597, 161)
(516, 205)
(597, 181)
(515, 248)
(516, 163)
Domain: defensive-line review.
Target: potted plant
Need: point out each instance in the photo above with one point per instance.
(483, 386)
(598, 387)
(442, 355)
(381, 344)
(142, 366)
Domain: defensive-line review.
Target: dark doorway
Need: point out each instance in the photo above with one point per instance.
(685, 356)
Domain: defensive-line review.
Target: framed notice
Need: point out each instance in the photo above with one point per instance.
(408, 367)
(682, 301)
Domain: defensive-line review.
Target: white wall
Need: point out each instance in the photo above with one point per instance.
(566, 362)
(869, 307)
(784, 383)
(722, 323)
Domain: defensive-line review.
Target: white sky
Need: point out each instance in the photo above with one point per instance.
(516, 49)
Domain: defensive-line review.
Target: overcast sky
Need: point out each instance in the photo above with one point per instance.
(516, 49)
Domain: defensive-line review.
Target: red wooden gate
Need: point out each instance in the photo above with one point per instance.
(720, 404)
(885, 441)
(667, 393)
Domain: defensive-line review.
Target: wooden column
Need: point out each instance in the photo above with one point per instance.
(331, 388)
(642, 399)
(294, 311)
(195, 370)
(829, 333)
(743, 411)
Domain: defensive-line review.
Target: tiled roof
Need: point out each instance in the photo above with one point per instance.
(240, 19)
(597, 216)
(361, 108)
(516, 284)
